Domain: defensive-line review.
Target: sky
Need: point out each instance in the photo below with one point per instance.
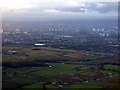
(43, 10)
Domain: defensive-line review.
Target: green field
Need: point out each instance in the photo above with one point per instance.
(112, 67)
(32, 68)
(94, 57)
(105, 71)
(86, 85)
(35, 85)
(56, 68)
(77, 85)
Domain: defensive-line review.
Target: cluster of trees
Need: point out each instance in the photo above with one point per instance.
(24, 64)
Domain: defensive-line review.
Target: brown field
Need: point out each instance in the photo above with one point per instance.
(44, 53)
(108, 82)
(90, 68)
(76, 55)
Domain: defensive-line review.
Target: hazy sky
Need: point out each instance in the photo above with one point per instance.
(58, 9)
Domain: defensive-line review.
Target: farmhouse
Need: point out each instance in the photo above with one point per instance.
(11, 73)
(11, 52)
(85, 81)
(54, 83)
(40, 45)
(59, 85)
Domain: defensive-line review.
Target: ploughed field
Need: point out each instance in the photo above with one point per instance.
(46, 68)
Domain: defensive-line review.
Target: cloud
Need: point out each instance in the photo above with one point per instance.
(6, 5)
(51, 11)
(103, 7)
(73, 4)
(99, 5)
(64, 10)
(59, 5)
